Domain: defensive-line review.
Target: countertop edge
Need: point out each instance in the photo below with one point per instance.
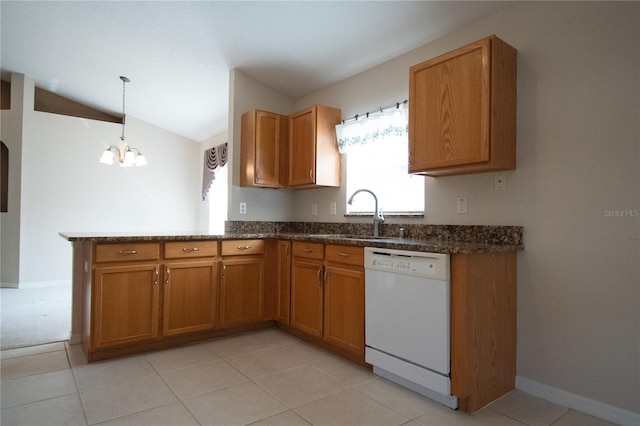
(435, 245)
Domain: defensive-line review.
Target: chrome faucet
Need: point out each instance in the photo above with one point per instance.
(377, 215)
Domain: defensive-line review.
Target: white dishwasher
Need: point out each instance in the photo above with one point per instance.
(407, 320)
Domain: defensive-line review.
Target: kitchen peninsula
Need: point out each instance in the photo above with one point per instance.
(135, 293)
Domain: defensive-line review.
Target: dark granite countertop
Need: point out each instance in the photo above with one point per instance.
(423, 243)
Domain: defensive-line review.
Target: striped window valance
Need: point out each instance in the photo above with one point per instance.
(213, 158)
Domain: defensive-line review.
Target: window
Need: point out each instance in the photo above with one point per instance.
(218, 201)
(376, 151)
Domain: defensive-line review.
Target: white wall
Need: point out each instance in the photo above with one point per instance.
(65, 189)
(578, 156)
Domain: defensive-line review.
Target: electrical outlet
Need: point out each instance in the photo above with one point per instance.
(332, 208)
(243, 208)
(500, 181)
(314, 210)
(462, 205)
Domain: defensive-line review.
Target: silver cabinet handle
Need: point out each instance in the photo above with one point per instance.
(156, 274)
(168, 272)
(243, 247)
(224, 270)
(320, 275)
(326, 280)
(311, 174)
(127, 251)
(306, 250)
(343, 254)
(187, 249)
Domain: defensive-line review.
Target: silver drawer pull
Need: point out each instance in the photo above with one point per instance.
(343, 254)
(306, 250)
(127, 251)
(243, 247)
(187, 249)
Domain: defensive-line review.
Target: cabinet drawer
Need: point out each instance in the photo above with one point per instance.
(186, 249)
(242, 247)
(350, 255)
(127, 252)
(308, 250)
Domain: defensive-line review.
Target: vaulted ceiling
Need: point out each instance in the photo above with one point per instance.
(178, 54)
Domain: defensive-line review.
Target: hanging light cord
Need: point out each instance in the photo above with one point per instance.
(125, 80)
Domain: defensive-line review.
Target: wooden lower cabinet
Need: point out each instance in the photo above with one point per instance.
(125, 304)
(283, 282)
(306, 296)
(190, 292)
(241, 291)
(327, 295)
(483, 327)
(242, 283)
(344, 308)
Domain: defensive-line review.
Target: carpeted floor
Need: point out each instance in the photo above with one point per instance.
(35, 313)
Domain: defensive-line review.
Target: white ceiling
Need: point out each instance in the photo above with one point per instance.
(178, 54)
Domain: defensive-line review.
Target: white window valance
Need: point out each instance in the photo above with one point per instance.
(213, 158)
(372, 128)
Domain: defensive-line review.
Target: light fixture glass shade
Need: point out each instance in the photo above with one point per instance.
(107, 157)
(129, 159)
(140, 160)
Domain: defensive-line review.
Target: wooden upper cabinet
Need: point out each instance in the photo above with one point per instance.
(314, 159)
(462, 111)
(263, 155)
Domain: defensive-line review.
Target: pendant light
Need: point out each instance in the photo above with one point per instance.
(127, 156)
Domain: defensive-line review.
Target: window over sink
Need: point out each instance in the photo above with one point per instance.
(376, 149)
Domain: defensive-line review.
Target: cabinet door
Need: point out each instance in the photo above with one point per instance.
(302, 147)
(189, 297)
(344, 308)
(241, 290)
(449, 109)
(306, 296)
(263, 152)
(125, 304)
(283, 275)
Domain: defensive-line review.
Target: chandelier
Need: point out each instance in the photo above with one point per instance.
(127, 156)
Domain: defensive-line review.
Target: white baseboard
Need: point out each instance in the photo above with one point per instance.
(579, 403)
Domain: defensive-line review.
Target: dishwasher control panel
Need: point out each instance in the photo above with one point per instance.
(429, 265)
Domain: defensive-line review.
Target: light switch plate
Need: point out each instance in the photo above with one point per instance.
(462, 205)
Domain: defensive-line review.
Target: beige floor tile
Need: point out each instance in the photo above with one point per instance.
(118, 400)
(203, 378)
(307, 352)
(173, 359)
(349, 408)
(33, 364)
(398, 398)
(276, 337)
(346, 371)
(24, 390)
(237, 405)
(288, 418)
(32, 350)
(104, 373)
(64, 410)
(256, 365)
(446, 416)
(237, 345)
(528, 409)
(576, 418)
(168, 415)
(301, 385)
